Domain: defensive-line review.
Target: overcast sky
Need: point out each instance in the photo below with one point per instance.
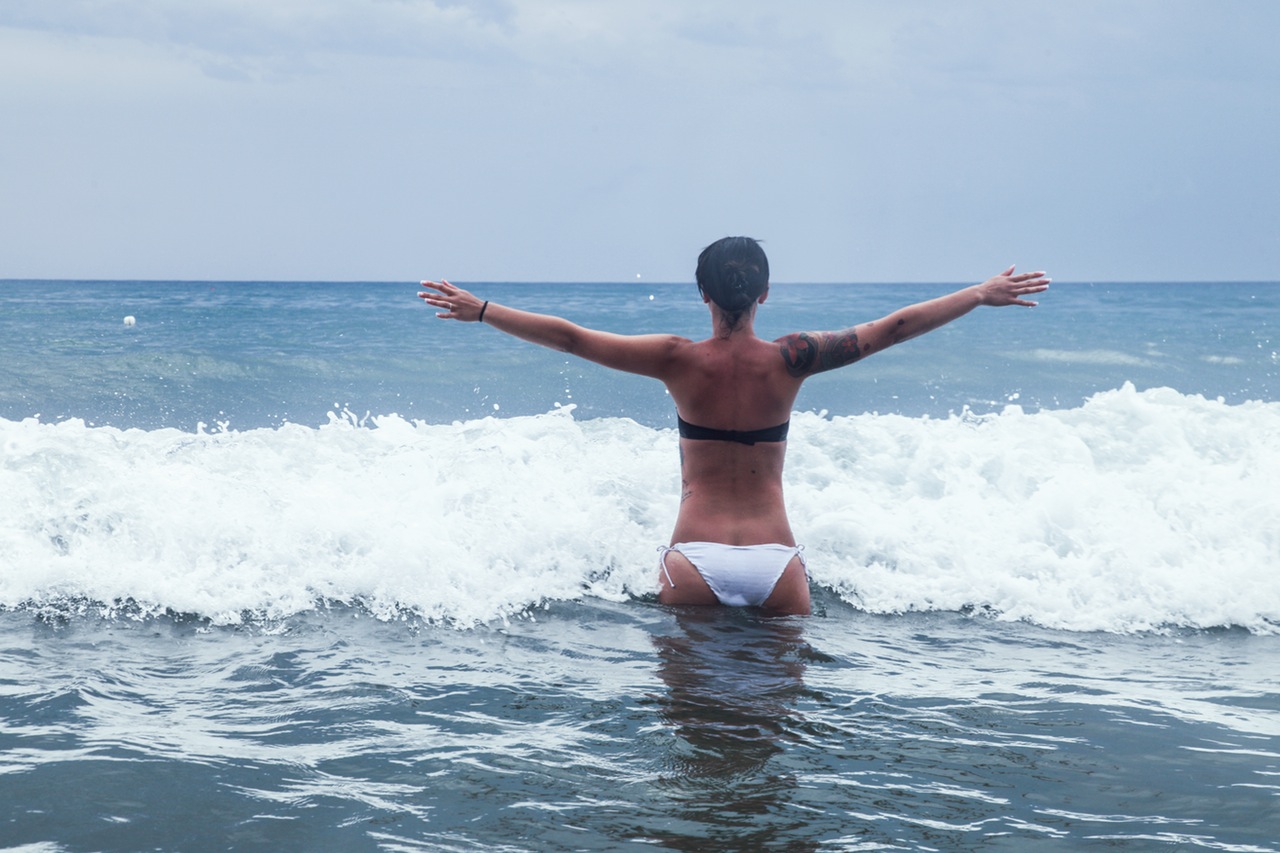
(572, 140)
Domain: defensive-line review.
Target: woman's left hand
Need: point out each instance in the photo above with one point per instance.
(1009, 289)
(457, 304)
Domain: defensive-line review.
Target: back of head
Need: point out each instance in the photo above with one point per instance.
(733, 272)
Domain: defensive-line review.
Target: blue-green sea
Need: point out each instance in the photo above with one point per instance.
(297, 566)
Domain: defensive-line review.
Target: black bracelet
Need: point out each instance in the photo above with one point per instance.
(482, 307)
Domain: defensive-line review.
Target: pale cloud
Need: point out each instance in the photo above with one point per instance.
(569, 139)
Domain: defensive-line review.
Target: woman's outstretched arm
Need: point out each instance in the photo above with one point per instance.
(806, 353)
(649, 355)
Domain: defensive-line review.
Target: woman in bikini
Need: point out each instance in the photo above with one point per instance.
(732, 543)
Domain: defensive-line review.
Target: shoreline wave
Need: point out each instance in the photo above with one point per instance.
(1138, 511)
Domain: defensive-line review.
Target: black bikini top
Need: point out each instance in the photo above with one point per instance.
(751, 436)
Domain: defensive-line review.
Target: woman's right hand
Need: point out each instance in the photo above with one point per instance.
(457, 304)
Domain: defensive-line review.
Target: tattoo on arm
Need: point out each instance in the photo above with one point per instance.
(799, 352)
(813, 352)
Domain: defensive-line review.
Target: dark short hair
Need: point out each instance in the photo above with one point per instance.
(733, 272)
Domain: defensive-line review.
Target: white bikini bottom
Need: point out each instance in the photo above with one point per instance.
(739, 575)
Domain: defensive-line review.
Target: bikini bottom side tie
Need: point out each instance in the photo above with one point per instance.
(739, 575)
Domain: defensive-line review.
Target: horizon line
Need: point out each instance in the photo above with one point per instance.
(573, 282)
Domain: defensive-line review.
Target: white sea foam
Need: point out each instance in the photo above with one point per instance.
(1093, 356)
(1136, 511)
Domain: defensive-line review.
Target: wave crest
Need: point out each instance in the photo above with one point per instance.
(1135, 511)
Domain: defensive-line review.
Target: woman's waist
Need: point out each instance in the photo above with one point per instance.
(755, 495)
(707, 521)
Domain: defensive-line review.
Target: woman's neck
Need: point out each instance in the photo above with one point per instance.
(723, 329)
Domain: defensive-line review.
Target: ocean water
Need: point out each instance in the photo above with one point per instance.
(296, 566)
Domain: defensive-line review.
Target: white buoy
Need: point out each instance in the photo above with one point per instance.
(130, 320)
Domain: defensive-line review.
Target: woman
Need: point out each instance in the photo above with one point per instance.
(733, 392)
